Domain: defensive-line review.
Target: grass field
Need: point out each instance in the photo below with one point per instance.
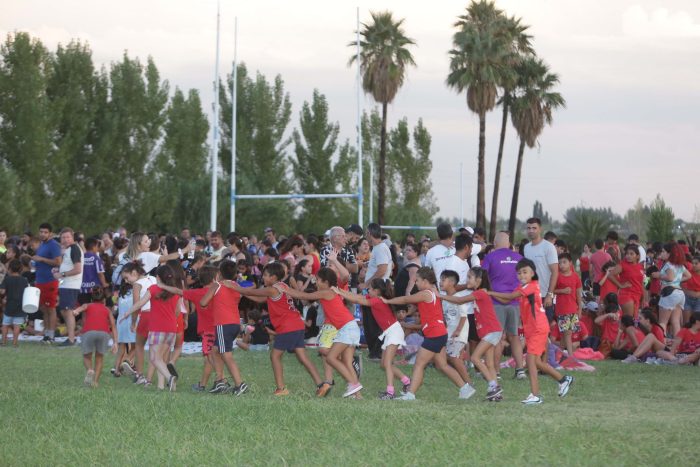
(620, 415)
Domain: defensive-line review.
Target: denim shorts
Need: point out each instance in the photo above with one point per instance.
(692, 304)
(12, 320)
(348, 334)
(493, 338)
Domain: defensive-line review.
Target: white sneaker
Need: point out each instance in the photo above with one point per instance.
(565, 385)
(466, 391)
(532, 400)
(409, 396)
(352, 389)
(630, 359)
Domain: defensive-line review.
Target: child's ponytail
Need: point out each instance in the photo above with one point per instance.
(384, 286)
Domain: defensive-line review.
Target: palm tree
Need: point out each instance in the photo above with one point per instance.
(520, 47)
(583, 225)
(531, 107)
(384, 57)
(478, 58)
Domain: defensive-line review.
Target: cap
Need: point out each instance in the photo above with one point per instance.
(268, 229)
(354, 228)
(469, 230)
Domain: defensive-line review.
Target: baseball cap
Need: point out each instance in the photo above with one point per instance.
(354, 228)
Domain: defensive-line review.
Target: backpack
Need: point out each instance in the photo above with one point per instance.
(117, 272)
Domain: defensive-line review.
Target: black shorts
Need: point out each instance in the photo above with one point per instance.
(289, 341)
(549, 310)
(473, 336)
(434, 344)
(226, 335)
(596, 289)
(67, 299)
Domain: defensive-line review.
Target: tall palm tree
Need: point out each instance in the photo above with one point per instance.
(531, 108)
(384, 57)
(520, 47)
(477, 59)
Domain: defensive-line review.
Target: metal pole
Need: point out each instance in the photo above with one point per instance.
(215, 143)
(461, 193)
(359, 129)
(233, 124)
(371, 188)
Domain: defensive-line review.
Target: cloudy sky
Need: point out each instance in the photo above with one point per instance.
(629, 70)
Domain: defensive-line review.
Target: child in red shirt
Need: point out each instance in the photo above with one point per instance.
(392, 335)
(569, 304)
(686, 343)
(609, 320)
(98, 323)
(288, 323)
(653, 342)
(631, 282)
(536, 327)
(434, 331)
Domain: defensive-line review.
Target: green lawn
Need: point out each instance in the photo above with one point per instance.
(621, 415)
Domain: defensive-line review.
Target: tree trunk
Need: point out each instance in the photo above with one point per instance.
(381, 181)
(516, 191)
(480, 191)
(497, 179)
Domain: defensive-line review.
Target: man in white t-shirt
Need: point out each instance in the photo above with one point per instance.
(437, 256)
(70, 279)
(378, 267)
(544, 255)
(633, 239)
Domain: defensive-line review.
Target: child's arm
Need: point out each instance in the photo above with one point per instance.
(354, 298)
(422, 296)
(412, 276)
(113, 325)
(504, 297)
(209, 295)
(80, 309)
(460, 325)
(137, 306)
(579, 300)
(601, 318)
(327, 294)
(458, 300)
(168, 288)
(250, 292)
(675, 344)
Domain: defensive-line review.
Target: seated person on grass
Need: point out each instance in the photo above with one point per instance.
(653, 342)
(686, 345)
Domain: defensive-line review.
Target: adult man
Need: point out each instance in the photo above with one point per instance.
(216, 247)
(270, 235)
(544, 255)
(598, 259)
(353, 233)
(633, 239)
(185, 234)
(47, 257)
(378, 267)
(436, 257)
(479, 237)
(70, 277)
(500, 264)
(338, 241)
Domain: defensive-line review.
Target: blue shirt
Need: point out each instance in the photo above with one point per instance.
(50, 250)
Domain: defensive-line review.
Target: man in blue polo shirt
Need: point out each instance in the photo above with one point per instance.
(47, 257)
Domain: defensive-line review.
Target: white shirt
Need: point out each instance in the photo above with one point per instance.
(380, 255)
(437, 256)
(145, 283)
(453, 313)
(543, 255)
(75, 281)
(150, 260)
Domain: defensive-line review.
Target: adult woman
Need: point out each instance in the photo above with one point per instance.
(672, 298)
(312, 250)
(585, 263)
(140, 248)
(292, 250)
(363, 253)
(406, 278)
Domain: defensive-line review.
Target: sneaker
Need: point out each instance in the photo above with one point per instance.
(323, 389)
(67, 343)
(520, 373)
(356, 365)
(466, 391)
(532, 400)
(352, 389)
(198, 388)
(126, 369)
(498, 376)
(385, 396)
(565, 385)
(46, 340)
(409, 396)
(279, 392)
(220, 387)
(172, 370)
(89, 377)
(141, 380)
(240, 389)
(406, 387)
(171, 383)
(494, 393)
(147, 384)
(630, 359)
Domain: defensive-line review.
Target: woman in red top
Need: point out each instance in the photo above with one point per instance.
(434, 332)
(97, 323)
(632, 291)
(288, 324)
(627, 339)
(392, 333)
(163, 324)
(653, 342)
(536, 328)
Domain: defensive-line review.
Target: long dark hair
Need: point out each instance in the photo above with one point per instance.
(480, 273)
(384, 286)
(167, 277)
(328, 275)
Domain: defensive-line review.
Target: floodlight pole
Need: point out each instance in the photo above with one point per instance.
(359, 128)
(215, 136)
(234, 96)
(461, 194)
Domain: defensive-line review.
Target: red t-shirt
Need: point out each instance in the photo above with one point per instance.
(629, 345)
(598, 259)
(283, 314)
(587, 321)
(690, 341)
(575, 336)
(336, 313)
(164, 313)
(532, 315)
(658, 332)
(585, 263)
(431, 317)
(608, 287)
(567, 304)
(693, 283)
(205, 323)
(383, 314)
(224, 306)
(96, 318)
(315, 264)
(634, 274)
(485, 314)
(610, 327)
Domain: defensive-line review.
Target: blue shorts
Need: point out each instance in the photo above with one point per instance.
(67, 299)
(289, 341)
(12, 320)
(692, 304)
(434, 344)
(226, 335)
(348, 334)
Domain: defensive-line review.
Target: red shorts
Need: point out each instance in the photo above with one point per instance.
(180, 323)
(142, 327)
(208, 342)
(536, 343)
(49, 294)
(629, 298)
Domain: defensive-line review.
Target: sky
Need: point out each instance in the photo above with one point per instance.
(629, 71)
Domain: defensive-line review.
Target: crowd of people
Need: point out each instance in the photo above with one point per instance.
(457, 303)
